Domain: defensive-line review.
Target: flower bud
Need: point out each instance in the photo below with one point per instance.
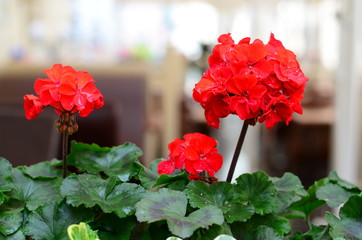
(66, 123)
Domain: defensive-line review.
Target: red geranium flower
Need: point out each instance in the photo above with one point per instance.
(251, 79)
(201, 155)
(68, 92)
(195, 154)
(246, 101)
(47, 88)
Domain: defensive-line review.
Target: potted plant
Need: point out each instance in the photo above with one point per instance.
(109, 194)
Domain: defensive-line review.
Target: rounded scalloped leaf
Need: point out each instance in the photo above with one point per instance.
(116, 161)
(289, 190)
(109, 194)
(43, 170)
(221, 195)
(52, 221)
(202, 194)
(333, 194)
(34, 193)
(334, 178)
(170, 205)
(349, 224)
(258, 190)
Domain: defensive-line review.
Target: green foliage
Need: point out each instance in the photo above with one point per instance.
(172, 205)
(117, 161)
(221, 195)
(34, 193)
(289, 190)
(257, 190)
(81, 231)
(43, 170)
(349, 225)
(10, 222)
(109, 194)
(112, 196)
(5, 175)
(52, 221)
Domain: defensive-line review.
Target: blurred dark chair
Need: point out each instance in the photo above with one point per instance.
(24, 142)
(123, 116)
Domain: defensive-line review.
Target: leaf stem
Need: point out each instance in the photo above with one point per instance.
(238, 147)
(65, 152)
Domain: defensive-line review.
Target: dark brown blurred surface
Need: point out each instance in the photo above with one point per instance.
(303, 149)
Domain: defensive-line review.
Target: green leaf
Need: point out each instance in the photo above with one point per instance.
(316, 232)
(111, 227)
(309, 203)
(52, 221)
(221, 195)
(12, 205)
(147, 177)
(349, 224)
(5, 175)
(10, 222)
(81, 231)
(334, 178)
(258, 190)
(333, 195)
(265, 233)
(43, 170)
(109, 194)
(19, 235)
(246, 230)
(175, 182)
(202, 194)
(238, 212)
(116, 161)
(289, 190)
(34, 193)
(171, 205)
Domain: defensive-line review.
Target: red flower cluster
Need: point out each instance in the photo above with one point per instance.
(66, 90)
(196, 153)
(252, 80)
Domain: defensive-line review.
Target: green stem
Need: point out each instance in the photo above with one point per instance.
(239, 145)
(65, 152)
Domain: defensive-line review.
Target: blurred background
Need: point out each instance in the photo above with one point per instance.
(146, 56)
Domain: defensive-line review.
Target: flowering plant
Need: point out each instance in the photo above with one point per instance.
(110, 195)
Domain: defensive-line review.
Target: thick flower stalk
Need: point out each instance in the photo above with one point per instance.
(196, 153)
(253, 80)
(68, 92)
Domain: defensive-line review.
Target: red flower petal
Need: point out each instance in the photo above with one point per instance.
(67, 89)
(67, 101)
(166, 167)
(32, 106)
